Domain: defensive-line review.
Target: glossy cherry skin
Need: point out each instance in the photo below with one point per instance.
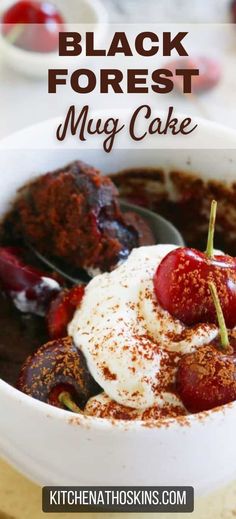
(61, 311)
(57, 363)
(206, 379)
(35, 287)
(181, 286)
(41, 21)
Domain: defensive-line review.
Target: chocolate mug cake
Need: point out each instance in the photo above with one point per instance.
(119, 347)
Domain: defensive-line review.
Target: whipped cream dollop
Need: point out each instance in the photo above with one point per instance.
(131, 344)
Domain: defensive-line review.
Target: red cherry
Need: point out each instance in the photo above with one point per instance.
(181, 286)
(56, 368)
(30, 289)
(181, 283)
(33, 26)
(209, 72)
(62, 309)
(206, 379)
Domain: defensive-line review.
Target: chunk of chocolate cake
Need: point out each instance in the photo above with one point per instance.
(74, 214)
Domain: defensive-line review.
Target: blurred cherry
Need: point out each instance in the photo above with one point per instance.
(233, 10)
(210, 72)
(33, 25)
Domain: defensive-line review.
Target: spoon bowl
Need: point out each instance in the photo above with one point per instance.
(163, 232)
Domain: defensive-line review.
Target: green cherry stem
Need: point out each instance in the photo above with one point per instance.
(220, 316)
(65, 399)
(211, 230)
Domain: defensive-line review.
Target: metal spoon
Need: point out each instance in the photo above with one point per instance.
(163, 232)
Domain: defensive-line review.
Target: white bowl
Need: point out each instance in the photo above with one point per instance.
(53, 446)
(75, 13)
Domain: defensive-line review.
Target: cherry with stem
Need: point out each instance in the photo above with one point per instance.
(206, 378)
(57, 374)
(181, 282)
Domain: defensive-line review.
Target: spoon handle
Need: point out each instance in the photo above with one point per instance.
(55, 267)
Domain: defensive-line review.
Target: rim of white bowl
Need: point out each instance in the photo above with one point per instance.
(94, 422)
